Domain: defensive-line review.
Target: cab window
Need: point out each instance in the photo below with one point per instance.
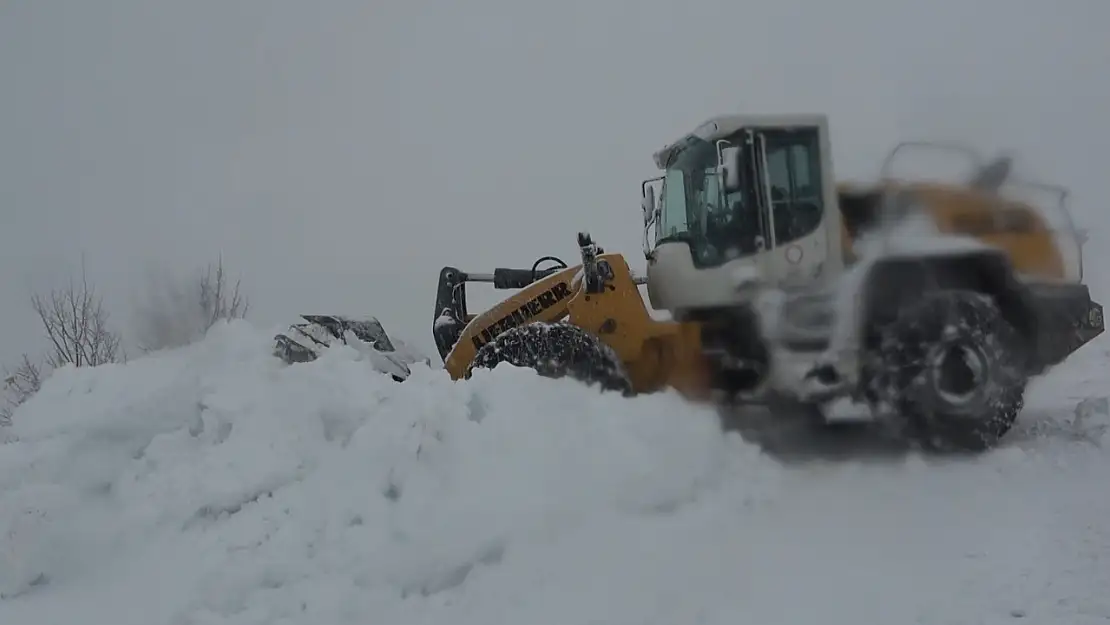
(794, 172)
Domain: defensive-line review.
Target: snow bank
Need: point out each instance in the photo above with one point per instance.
(326, 489)
(213, 484)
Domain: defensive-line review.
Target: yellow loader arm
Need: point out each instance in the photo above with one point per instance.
(599, 296)
(543, 300)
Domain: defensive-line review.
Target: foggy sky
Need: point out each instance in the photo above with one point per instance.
(339, 153)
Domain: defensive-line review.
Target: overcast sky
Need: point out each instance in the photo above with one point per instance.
(338, 153)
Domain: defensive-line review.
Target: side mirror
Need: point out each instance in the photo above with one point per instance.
(647, 203)
(729, 168)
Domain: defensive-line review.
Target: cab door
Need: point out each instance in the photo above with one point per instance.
(791, 188)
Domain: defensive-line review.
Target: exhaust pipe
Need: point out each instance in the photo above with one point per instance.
(993, 175)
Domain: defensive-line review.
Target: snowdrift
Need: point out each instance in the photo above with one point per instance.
(214, 484)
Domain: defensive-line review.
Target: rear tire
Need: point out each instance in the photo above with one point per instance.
(556, 350)
(952, 367)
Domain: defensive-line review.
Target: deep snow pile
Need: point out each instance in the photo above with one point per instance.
(215, 485)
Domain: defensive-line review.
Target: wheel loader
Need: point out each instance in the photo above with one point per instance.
(931, 302)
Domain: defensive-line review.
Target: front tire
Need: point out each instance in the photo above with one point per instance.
(952, 367)
(555, 350)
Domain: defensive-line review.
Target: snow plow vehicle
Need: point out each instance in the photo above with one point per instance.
(932, 303)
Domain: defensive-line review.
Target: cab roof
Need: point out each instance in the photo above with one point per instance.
(724, 125)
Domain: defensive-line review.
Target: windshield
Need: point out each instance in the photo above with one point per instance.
(717, 226)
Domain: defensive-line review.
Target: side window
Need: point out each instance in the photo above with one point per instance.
(805, 188)
(712, 195)
(673, 218)
(794, 169)
(778, 171)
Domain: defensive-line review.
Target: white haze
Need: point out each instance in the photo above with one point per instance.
(338, 154)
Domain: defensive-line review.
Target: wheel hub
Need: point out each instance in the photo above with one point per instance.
(959, 374)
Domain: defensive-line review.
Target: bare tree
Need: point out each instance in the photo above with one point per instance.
(19, 386)
(177, 312)
(76, 324)
(217, 300)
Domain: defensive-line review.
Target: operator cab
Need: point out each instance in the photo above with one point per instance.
(741, 196)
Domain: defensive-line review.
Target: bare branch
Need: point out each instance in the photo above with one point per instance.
(214, 297)
(76, 324)
(176, 314)
(18, 387)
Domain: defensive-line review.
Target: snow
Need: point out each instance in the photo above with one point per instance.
(215, 485)
(914, 234)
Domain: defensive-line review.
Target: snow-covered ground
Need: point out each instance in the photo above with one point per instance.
(215, 485)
